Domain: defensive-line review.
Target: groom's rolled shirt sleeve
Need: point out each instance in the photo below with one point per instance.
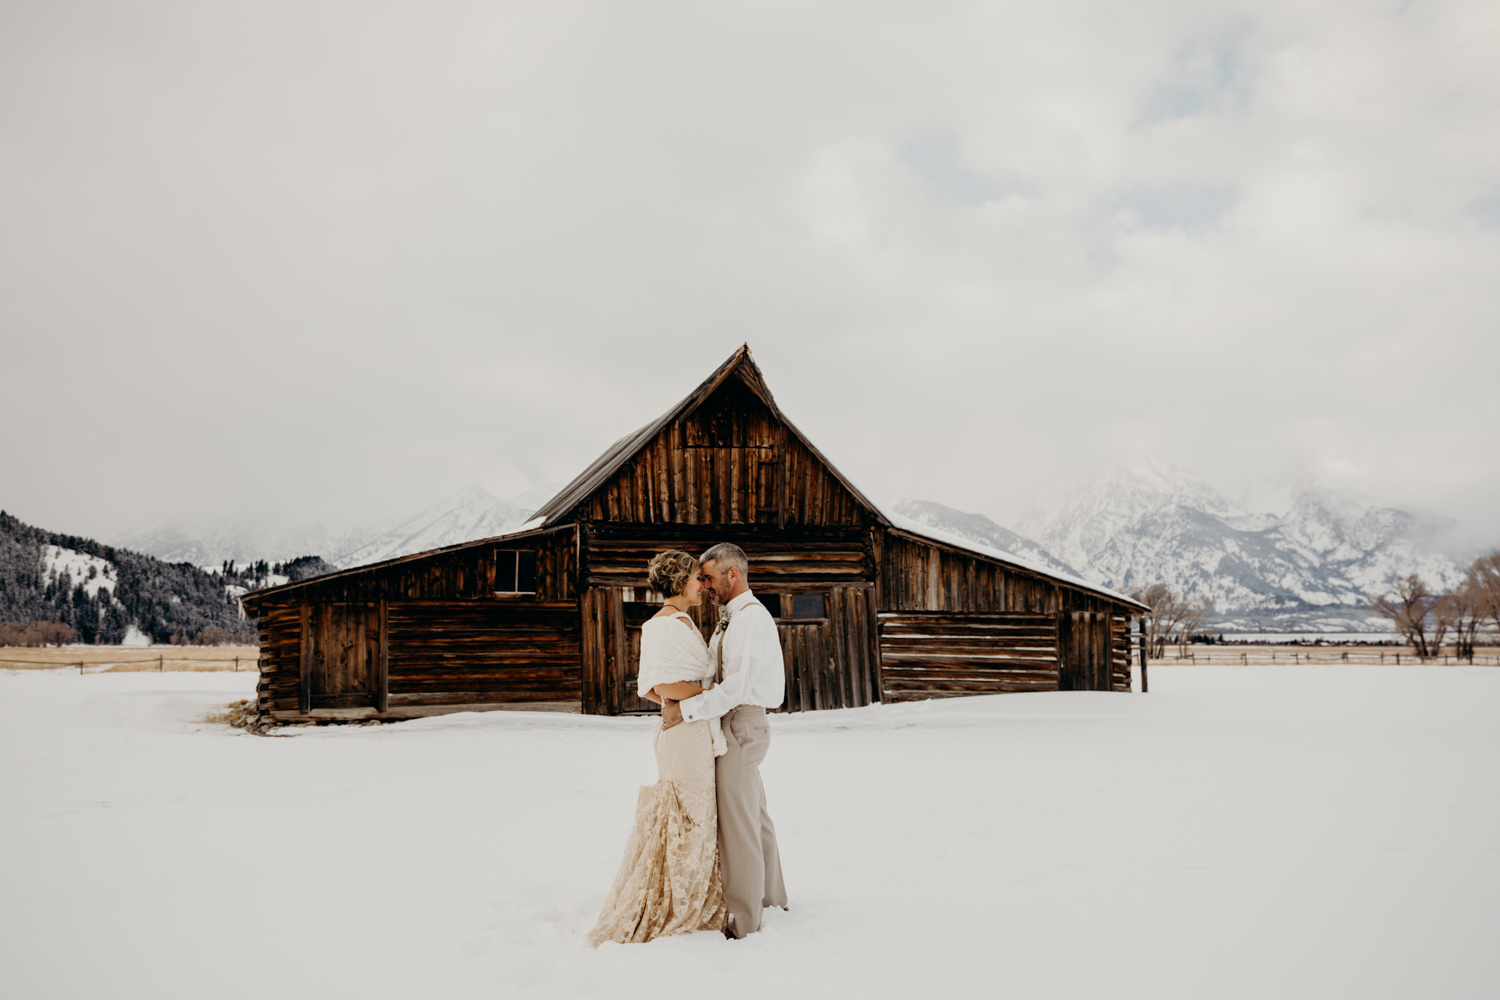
(723, 696)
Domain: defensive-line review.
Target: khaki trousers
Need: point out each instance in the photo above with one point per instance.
(748, 858)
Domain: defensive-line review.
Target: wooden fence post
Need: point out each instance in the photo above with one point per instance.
(1145, 687)
(383, 666)
(304, 697)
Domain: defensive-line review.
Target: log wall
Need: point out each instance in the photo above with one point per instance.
(935, 654)
(483, 653)
(1120, 673)
(450, 640)
(1085, 651)
(920, 576)
(1077, 640)
(615, 555)
(279, 685)
(438, 656)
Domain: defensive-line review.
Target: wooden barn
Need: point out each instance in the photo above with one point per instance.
(871, 607)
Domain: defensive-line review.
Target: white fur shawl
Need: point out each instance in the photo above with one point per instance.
(672, 652)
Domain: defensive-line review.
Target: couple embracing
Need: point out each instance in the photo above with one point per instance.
(702, 854)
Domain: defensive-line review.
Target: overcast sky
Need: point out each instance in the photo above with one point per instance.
(346, 258)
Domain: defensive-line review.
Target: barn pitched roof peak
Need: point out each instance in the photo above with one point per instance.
(739, 365)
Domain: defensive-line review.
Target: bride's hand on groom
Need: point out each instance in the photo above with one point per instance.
(671, 714)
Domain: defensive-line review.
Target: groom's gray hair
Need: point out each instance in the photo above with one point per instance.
(727, 554)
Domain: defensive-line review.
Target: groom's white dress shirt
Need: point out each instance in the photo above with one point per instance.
(753, 669)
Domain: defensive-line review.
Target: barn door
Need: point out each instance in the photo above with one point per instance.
(1083, 651)
(830, 648)
(612, 650)
(340, 656)
(634, 616)
(810, 680)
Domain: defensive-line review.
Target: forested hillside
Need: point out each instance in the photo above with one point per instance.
(102, 591)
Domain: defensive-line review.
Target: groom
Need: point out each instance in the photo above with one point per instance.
(746, 652)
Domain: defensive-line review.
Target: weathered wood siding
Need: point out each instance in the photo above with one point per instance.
(278, 687)
(602, 622)
(611, 621)
(937, 654)
(438, 655)
(450, 642)
(919, 576)
(1120, 673)
(1085, 651)
(340, 651)
(615, 555)
(462, 652)
(458, 574)
(728, 462)
(832, 662)
(1077, 640)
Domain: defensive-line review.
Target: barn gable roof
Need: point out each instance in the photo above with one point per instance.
(740, 365)
(560, 510)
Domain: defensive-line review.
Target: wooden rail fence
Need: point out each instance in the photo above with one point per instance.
(1265, 656)
(106, 665)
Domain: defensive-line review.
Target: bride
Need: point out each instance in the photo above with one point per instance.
(669, 881)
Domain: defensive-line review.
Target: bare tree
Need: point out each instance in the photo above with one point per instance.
(1460, 613)
(1195, 610)
(36, 634)
(1484, 578)
(1409, 606)
(213, 635)
(1172, 618)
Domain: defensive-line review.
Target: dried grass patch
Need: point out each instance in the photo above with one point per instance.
(127, 659)
(242, 714)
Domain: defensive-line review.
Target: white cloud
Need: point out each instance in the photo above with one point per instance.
(381, 251)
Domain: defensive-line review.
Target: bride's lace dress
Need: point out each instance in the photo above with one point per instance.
(668, 882)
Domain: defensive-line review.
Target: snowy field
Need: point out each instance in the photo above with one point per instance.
(1266, 832)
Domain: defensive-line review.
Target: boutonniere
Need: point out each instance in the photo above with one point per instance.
(724, 617)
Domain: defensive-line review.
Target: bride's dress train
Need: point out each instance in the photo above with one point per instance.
(669, 880)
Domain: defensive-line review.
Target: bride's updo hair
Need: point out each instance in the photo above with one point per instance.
(669, 572)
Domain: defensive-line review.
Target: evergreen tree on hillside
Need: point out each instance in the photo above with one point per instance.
(161, 599)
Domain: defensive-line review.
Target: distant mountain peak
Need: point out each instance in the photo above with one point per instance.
(471, 513)
(1155, 522)
(978, 528)
(276, 535)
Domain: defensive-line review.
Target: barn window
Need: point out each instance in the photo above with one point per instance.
(515, 572)
(808, 606)
(772, 603)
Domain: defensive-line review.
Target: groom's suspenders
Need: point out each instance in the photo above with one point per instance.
(719, 659)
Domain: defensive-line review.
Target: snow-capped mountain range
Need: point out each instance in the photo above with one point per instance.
(1310, 570)
(1313, 569)
(978, 528)
(270, 535)
(273, 534)
(466, 515)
